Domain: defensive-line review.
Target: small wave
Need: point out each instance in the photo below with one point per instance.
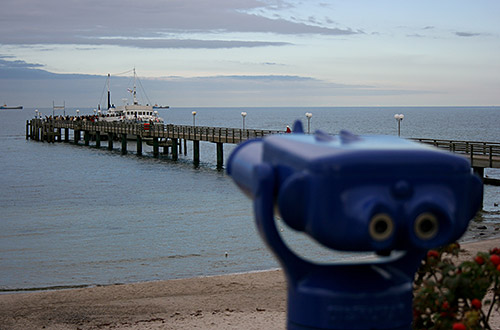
(45, 288)
(183, 256)
(143, 261)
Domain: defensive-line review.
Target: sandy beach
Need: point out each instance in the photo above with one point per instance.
(242, 301)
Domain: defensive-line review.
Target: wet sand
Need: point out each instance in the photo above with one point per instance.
(243, 301)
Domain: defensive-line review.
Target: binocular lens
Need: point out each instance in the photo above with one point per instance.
(381, 227)
(426, 226)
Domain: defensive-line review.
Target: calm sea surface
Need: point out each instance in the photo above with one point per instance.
(72, 215)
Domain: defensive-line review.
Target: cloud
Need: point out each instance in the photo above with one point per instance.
(32, 71)
(415, 35)
(16, 64)
(21, 70)
(467, 34)
(141, 23)
(34, 87)
(272, 64)
(258, 90)
(260, 78)
(152, 43)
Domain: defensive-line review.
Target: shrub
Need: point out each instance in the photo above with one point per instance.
(451, 296)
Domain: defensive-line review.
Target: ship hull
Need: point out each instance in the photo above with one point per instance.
(5, 107)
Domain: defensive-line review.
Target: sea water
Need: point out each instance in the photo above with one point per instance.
(73, 215)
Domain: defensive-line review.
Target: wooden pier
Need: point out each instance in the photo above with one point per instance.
(166, 136)
(169, 137)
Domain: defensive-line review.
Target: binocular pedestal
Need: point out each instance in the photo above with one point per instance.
(351, 297)
(366, 295)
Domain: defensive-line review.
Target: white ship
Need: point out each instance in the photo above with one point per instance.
(130, 113)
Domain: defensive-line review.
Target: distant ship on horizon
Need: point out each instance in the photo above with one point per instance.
(6, 107)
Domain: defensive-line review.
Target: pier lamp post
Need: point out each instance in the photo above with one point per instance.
(77, 112)
(194, 117)
(399, 118)
(36, 113)
(243, 115)
(309, 115)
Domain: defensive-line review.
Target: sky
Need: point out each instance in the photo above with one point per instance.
(249, 53)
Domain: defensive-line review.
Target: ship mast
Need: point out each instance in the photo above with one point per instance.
(109, 94)
(134, 93)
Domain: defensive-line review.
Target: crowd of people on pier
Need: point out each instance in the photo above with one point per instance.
(85, 118)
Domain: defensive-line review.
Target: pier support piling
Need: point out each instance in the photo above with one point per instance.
(110, 141)
(66, 134)
(76, 136)
(479, 171)
(97, 139)
(124, 144)
(42, 132)
(220, 155)
(175, 149)
(86, 137)
(139, 145)
(156, 147)
(196, 152)
(36, 132)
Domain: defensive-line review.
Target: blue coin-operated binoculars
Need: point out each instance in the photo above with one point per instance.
(355, 193)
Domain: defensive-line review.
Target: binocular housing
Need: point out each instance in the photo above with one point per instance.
(364, 193)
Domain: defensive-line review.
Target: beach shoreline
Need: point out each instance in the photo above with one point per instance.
(476, 231)
(254, 300)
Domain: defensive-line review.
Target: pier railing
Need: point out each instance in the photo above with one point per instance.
(169, 131)
(481, 154)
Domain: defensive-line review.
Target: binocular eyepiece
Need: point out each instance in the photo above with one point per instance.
(426, 227)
